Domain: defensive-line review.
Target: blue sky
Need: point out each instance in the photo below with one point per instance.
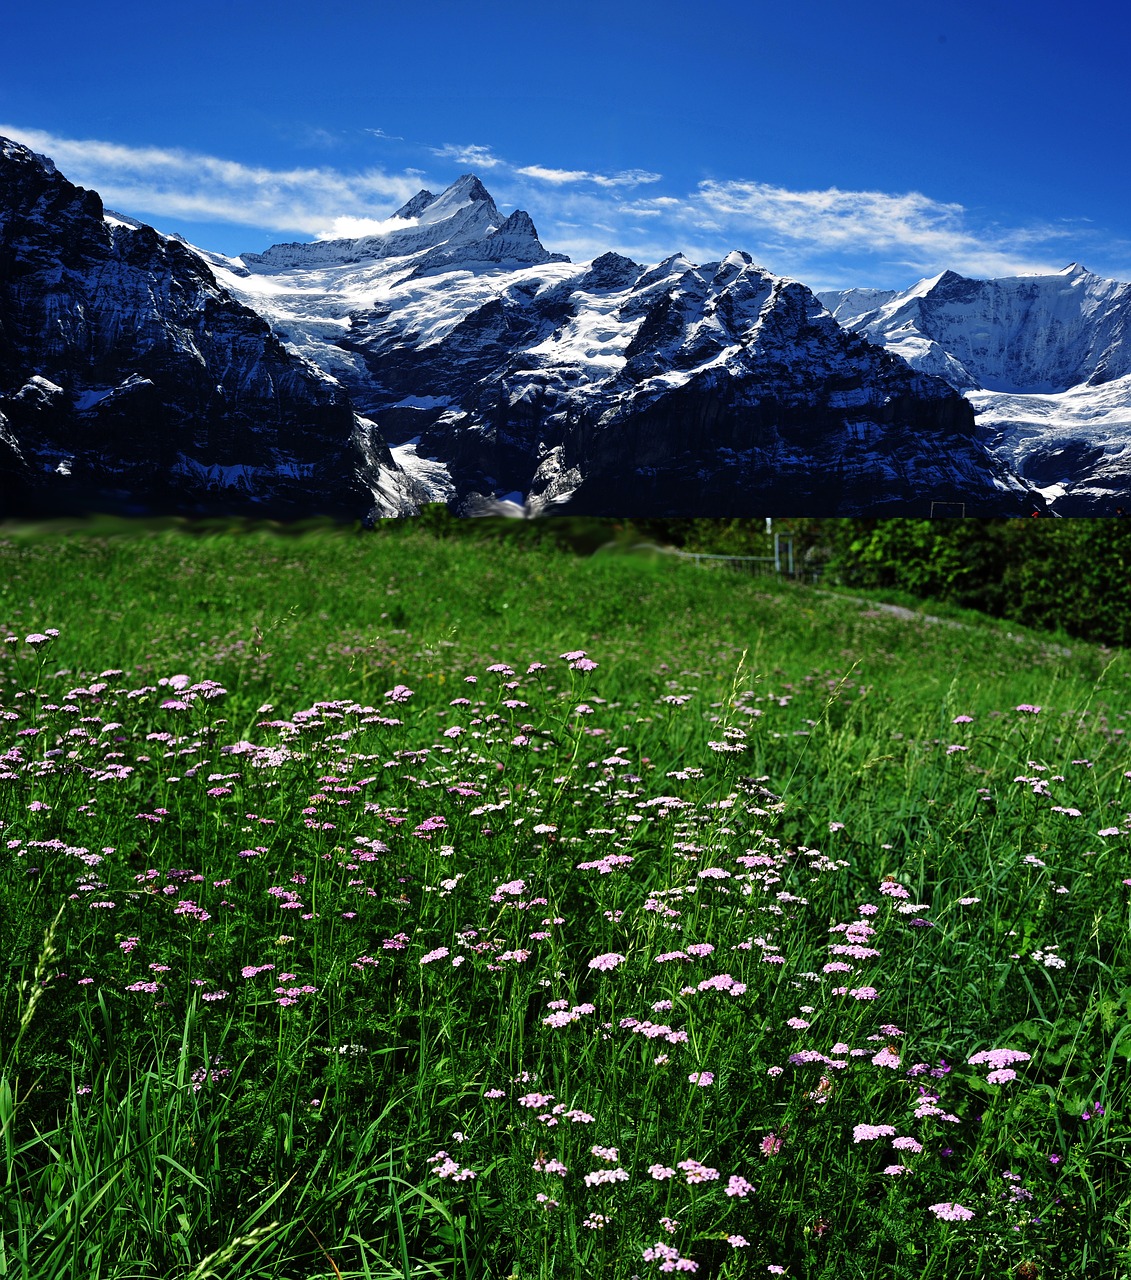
(870, 143)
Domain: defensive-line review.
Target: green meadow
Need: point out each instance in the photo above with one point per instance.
(389, 904)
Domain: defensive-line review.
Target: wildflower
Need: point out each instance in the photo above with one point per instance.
(998, 1058)
(601, 1176)
(963, 720)
(605, 1153)
(1028, 709)
(948, 1211)
(535, 1099)
(702, 1078)
(695, 1172)
(661, 1172)
(1002, 1076)
(438, 954)
(906, 1144)
(608, 961)
(770, 1145)
(885, 1058)
(868, 1132)
(738, 1242)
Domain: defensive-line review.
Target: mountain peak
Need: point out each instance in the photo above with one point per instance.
(415, 207)
(468, 186)
(1074, 269)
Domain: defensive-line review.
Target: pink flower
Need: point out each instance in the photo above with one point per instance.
(998, 1058)
(770, 1145)
(608, 961)
(950, 1212)
(695, 1172)
(702, 1078)
(868, 1132)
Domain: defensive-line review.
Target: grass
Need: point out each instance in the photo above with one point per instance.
(334, 952)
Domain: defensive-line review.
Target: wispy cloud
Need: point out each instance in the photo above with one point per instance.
(470, 155)
(827, 237)
(907, 227)
(558, 177)
(175, 183)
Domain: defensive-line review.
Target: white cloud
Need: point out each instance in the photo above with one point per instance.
(828, 238)
(910, 228)
(558, 177)
(349, 228)
(175, 183)
(471, 155)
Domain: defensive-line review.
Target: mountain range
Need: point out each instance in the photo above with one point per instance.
(451, 357)
(1044, 360)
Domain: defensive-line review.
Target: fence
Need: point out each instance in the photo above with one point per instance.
(780, 564)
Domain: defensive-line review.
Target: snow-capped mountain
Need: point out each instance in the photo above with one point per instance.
(131, 380)
(612, 387)
(1044, 360)
(140, 373)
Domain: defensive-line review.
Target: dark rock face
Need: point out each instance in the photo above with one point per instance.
(131, 381)
(727, 391)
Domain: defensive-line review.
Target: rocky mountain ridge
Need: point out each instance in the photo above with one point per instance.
(130, 380)
(1044, 360)
(614, 387)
